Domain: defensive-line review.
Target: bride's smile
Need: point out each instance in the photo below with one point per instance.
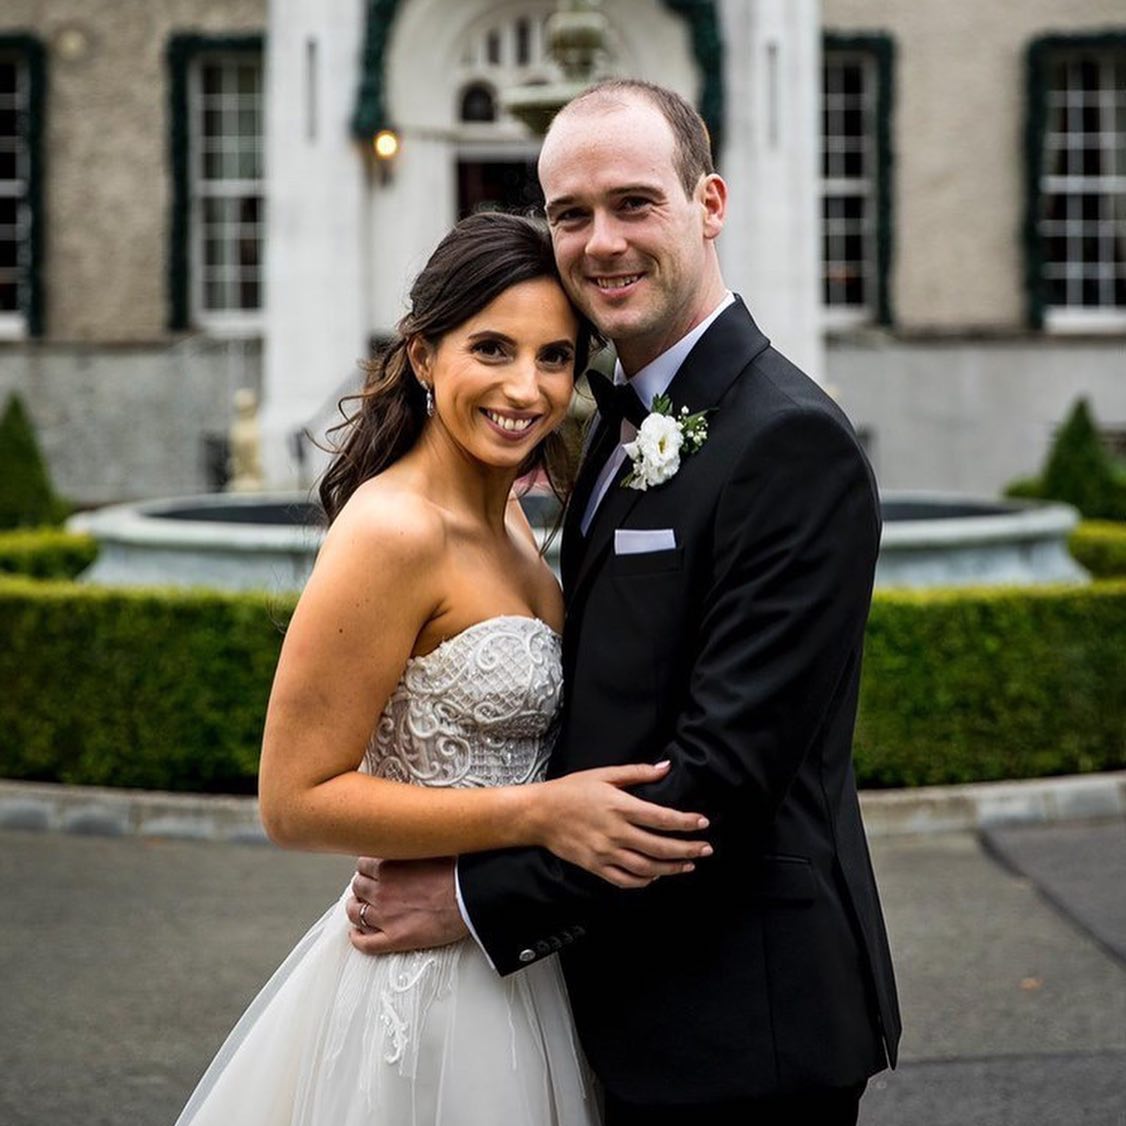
(503, 379)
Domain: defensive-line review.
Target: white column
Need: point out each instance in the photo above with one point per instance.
(316, 320)
(771, 246)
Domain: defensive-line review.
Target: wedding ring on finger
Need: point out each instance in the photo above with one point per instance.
(363, 916)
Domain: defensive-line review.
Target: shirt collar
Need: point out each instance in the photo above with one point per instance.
(654, 378)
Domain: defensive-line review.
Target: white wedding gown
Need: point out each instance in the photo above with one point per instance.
(432, 1038)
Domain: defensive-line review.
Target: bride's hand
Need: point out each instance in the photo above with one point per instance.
(587, 818)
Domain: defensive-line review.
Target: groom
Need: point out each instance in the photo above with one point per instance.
(714, 619)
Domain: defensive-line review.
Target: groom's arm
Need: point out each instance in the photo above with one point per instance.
(797, 533)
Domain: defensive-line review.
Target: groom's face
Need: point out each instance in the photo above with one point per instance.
(630, 242)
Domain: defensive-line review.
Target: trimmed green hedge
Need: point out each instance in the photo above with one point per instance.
(46, 553)
(963, 686)
(158, 689)
(167, 689)
(1100, 546)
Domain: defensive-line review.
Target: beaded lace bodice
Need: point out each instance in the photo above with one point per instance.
(480, 710)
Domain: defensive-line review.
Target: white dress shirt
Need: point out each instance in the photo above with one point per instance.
(651, 381)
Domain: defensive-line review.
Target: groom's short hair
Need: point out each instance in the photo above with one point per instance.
(693, 154)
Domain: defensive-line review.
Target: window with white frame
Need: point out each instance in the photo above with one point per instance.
(227, 189)
(849, 186)
(1082, 215)
(15, 217)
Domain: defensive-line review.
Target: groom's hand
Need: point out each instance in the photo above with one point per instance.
(410, 905)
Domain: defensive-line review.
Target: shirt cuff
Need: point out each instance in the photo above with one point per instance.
(467, 920)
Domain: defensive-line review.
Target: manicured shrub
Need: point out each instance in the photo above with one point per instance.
(168, 689)
(46, 553)
(1100, 546)
(1079, 471)
(26, 496)
(963, 686)
(1024, 488)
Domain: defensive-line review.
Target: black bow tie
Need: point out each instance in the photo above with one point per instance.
(615, 400)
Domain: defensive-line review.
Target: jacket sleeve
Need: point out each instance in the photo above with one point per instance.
(796, 537)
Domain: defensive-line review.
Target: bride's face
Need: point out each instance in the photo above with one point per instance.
(503, 379)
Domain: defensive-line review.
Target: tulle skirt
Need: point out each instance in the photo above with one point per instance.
(431, 1038)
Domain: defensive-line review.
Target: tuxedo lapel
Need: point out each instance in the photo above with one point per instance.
(615, 507)
(574, 542)
(725, 350)
(728, 346)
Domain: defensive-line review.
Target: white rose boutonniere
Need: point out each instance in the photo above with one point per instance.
(662, 439)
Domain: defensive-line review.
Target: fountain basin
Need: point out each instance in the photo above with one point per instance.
(269, 541)
(252, 541)
(936, 539)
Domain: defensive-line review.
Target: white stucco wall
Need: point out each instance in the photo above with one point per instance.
(771, 245)
(316, 264)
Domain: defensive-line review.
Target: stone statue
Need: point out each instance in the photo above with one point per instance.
(245, 464)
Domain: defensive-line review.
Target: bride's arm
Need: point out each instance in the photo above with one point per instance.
(377, 582)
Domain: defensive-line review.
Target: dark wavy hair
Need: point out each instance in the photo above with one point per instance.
(478, 260)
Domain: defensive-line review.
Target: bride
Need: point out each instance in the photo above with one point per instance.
(412, 714)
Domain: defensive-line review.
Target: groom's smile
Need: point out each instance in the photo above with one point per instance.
(631, 242)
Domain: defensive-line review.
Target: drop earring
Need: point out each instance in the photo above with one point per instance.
(429, 400)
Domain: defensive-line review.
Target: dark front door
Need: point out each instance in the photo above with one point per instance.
(497, 185)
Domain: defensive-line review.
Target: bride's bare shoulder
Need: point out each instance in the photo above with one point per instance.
(386, 520)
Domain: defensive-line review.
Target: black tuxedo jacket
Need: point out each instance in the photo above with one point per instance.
(736, 655)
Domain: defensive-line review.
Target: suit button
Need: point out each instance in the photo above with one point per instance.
(527, 956)
(542, 948)
(556, 942)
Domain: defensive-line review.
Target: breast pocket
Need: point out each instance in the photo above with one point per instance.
(637, 564)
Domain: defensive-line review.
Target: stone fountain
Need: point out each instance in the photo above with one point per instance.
(269, 541)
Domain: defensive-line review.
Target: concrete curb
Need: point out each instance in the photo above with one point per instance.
(104, 812)
(97, 811)
(985, 805)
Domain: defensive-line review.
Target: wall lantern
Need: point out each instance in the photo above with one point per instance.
(385, 145)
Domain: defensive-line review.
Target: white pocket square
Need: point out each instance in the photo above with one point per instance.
(636, 541)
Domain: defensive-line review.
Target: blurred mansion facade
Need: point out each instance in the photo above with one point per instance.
(928, 209)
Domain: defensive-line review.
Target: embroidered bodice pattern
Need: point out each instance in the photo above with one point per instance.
(480, 710)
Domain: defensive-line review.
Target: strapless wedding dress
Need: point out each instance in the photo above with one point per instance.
(435, 1037)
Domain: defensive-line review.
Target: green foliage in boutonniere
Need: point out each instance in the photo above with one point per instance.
(662, 440)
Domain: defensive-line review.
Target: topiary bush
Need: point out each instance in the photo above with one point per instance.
(46, 553)
(26, 496)
(1100, 546)
(1079, 471)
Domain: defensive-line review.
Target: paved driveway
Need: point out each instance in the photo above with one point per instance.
(124, 961)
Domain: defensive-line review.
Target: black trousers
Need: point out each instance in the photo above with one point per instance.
(833, 1107)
